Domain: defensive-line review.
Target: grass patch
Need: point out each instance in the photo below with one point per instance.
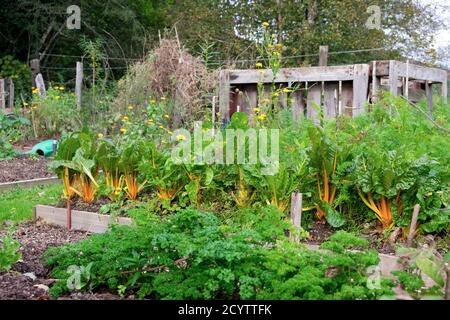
(17, 205)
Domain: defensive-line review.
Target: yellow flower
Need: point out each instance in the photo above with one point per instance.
(100, 135)
(256, 110)
(56, 88)
(270, 46)
(258, 65)
(204, 130)
(276, 94)
(61, 88)
(25, 104)
(279, 45)
(262, 117)
(276, 53)
(166, 116)
(169, 132)
(123, 130)
(266, 100)
(35, 90)
(125, 118)
(150, 121)
(265, 24)
(57, 97)
(163, 98)
(218, 114)
(33, 108)
(130, 107)
(286, 90)
(181, 137)
(161, 127)
(153, 101)
(260, 71)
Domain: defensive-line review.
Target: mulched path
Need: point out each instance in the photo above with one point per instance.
(24, 167)
(26, 145)
(35, 238)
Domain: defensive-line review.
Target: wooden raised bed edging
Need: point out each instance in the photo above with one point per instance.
(81, 220)
(28, 183)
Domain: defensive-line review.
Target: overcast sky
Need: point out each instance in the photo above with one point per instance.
(443, 38)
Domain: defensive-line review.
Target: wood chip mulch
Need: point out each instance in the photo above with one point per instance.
(29, 278)
(24, 167)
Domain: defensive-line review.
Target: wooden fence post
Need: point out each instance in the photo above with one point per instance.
(11, 94)
(35, 70)
(79, 83)
(360, 88)
(444, 89)
(2, 94)
(296, 212)
(224, 94)
(41, 85)
(429, 95)
(323, 56)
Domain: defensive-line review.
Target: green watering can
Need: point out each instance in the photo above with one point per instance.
(44, 148)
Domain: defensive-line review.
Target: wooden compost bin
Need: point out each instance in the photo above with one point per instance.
(336, 89)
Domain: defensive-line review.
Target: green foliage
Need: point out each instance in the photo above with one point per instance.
(190, 255)
(11, 130)
(54, 114)
(412, 283)
(9, 251)
(19, 73)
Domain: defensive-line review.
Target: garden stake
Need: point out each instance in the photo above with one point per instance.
(412, 227)
(69, 216)
(296, 212)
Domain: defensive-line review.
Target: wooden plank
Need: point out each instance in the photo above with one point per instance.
(347, 98)
(29, 183)
(2, 95)
(323, 56)
(382, 68)
(413, 71)
(283, 99)
(79, 83)
(330, 99)
(360, 88)
(313, 101)
(298, 104)
(224, 94)
(286, 75)
(429, 95)
(81, 220)
(393, 78)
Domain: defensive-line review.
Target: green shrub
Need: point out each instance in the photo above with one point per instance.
(9, 252)
(190, 255)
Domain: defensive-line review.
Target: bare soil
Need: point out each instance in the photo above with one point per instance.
(78, 204)
(24, 167)
(26, 145)
(320, 232)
